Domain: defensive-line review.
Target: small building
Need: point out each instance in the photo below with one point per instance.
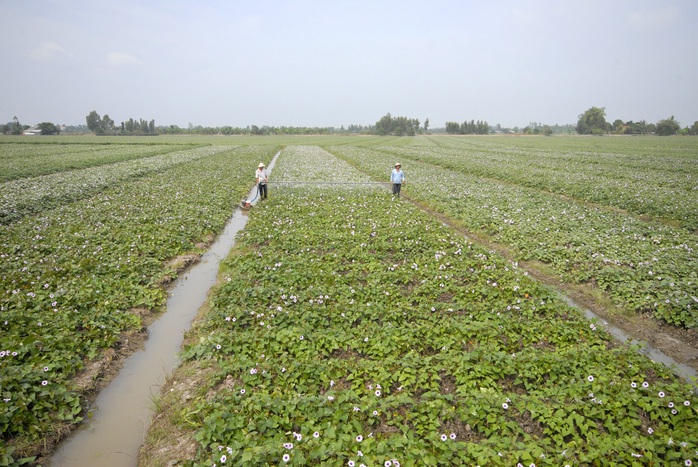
(32, 130)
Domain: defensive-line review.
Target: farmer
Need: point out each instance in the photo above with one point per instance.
(398, 178)
(262, 179)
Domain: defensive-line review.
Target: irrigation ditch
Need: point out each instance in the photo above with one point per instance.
(121, 413)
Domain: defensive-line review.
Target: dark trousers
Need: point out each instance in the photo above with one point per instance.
(262, 190)
(396, 189)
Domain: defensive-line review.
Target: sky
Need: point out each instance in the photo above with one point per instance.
(320, 63)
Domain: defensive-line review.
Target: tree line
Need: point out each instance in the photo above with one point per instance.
(468, 128)
(593, 122)
(400, 126)
(106, 126)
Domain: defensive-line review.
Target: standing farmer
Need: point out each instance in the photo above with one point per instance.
(397, 177)
(262, 179)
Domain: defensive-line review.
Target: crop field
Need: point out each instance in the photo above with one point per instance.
(351, 328)
(348, 327)
(80, 273)
(613, 220)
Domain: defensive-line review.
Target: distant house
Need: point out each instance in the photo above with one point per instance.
(32, 130)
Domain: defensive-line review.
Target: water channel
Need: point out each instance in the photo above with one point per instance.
(122, 410)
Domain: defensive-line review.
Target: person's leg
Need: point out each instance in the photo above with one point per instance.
(399, 185)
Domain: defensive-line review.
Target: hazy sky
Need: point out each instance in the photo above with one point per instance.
(335, 62)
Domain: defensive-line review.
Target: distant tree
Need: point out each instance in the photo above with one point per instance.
(48, 128)
(108, 125)
(398, 126)
(547, 131)
(384, 126)
(667, 127)
(592, 122)
(94, 121)
(452, 128)
(16, 127)
(426, 125)
(618, 125)
(693, 130)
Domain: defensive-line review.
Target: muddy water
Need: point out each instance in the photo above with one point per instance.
(123, 409)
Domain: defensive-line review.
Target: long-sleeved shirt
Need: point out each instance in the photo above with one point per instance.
(397, 176)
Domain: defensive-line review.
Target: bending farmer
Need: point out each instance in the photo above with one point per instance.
(262, 179)
(398, 178)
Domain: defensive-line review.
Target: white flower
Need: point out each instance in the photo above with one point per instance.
(359, 438)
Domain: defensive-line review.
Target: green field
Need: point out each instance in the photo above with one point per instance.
(350, 322)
